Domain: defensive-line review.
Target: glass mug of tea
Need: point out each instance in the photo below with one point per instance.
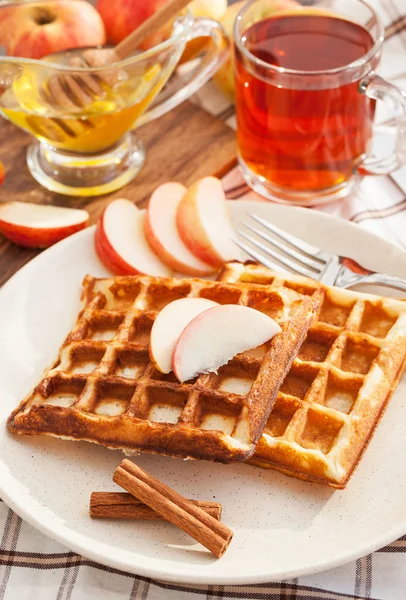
(306, 91)
(88, 148)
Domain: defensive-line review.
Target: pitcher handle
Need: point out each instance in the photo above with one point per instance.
(211, 61)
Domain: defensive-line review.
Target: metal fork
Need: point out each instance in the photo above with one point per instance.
(280, 251)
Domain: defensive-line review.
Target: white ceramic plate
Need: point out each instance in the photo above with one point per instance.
(283, 527)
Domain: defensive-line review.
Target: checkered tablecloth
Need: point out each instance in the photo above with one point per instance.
(33, 567)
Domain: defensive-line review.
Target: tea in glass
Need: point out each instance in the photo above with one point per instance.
(303, 139)
(306, 96)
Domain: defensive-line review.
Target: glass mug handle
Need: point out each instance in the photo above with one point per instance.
(213, 58)
(379, 89)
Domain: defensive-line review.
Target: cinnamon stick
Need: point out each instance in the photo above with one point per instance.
(173, 507)
(119, 505)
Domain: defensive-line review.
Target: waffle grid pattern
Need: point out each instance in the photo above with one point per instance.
(104, 387)
(339, 384)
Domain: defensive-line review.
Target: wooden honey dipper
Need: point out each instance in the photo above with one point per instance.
(69, 91)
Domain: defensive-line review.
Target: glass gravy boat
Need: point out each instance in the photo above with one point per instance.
(90, 150)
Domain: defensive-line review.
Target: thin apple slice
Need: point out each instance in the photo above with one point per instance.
(204, 224)
(39, 225)
(215, 336)
(120, 242)
(168, 326)
(162, 234)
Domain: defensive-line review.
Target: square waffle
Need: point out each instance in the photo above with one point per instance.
(339, 384)
(103, 387)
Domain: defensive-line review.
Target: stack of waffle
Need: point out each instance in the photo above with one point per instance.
(306, 403)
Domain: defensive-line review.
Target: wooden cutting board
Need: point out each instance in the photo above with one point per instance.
(183, 145)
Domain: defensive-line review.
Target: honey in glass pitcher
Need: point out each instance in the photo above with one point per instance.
(99, 125)
(84, 116)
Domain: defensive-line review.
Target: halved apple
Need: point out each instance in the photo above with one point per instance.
(39, 225)
(162, 234)
(120, 242)
(204, 224)
(215, 336)
(168, 326)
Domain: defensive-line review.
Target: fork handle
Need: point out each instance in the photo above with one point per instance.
(375, 279)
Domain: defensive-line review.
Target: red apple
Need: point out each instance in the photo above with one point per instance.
(121, 17)
(120, 242)
(162, 234)
(204, 224)
(34, 30)
(38, 225)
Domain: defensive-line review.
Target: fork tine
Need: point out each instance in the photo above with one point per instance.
(290, 265)
(287, 237)
(258, 257)
(306, 262)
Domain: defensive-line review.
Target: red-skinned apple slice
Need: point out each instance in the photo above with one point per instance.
(120, 242)
(204, 224)
(38, 225)
(162, 234)
(169, 325)
(215, 336)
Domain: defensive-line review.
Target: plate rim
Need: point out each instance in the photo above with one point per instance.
(202, 578)
(82, 546)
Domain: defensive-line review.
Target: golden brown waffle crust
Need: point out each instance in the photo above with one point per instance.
(299, 474)
(340, 383)
(72, 405)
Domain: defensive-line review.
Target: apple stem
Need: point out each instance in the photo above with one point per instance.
(42, 16)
